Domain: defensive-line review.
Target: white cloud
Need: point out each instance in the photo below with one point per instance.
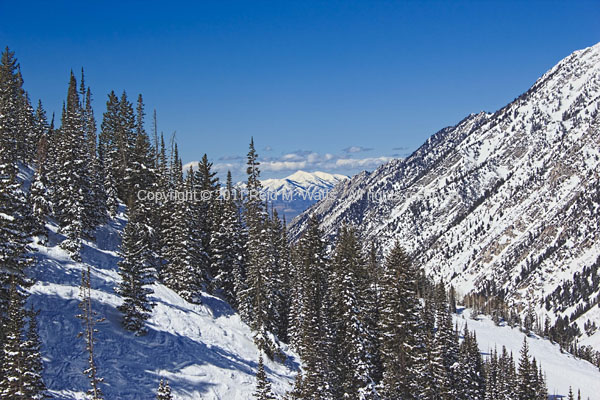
(362, 162)
(282, 165)
(356, 149)
(279, 166)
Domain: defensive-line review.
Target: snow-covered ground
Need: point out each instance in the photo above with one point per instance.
(562, 370)
(205, 351)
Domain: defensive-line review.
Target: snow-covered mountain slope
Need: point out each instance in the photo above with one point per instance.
(505, 203)
(295, 193)
(205, 351)
(562, 369)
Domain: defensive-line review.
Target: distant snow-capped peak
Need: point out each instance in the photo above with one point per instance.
(302, 180)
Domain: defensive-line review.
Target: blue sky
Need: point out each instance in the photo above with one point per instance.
(321, 85)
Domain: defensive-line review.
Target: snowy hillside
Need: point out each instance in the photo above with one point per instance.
(205, 351)
(504, 204)
(562, 370)
(295, 193)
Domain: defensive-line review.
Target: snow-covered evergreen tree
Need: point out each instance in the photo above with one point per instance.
(353, 344)
(13, 369)
(34, 386)
(89, 319)
(255, 299)
(399, 327)
(311, 313)
(164, 391)
(137, 271)
(227, 247)
(263, 386)
(471, 383)
(38, 192)
(72, 184)
(181, 249)
(527, 374)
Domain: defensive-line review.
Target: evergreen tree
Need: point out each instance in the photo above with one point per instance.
(527, 374)
(10, 102)
(72, 181)
(38, 193)
(89, 320)
(34, 386)
(96, 208)
(353, 353)
(137, 271)
(182, 272)
(208, 210)
(310, 316)
(12, 385)
(279, 284)
(471, 384)
(398, 327)
(296, 392)
(263, 386)
(256, 307)
(227, 248)
(108, 151)
(164, 391)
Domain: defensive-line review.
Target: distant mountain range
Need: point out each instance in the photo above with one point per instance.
(504, 204)
(295, 193)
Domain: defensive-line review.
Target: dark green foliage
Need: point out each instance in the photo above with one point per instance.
(263, 386)
(89, 319)
(354, 341)
(399, 326)
(227, 245)
(137, 271)
(164, 391)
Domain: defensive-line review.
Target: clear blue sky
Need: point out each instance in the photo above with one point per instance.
(307, 79)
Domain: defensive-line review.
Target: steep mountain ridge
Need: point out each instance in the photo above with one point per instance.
(505, 203)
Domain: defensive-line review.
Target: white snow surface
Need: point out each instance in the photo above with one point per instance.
(205, 351)
(562, 369)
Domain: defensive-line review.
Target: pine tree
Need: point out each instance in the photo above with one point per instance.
(263, 386)
(255, 297)
(571, 397)
(164, 391)
(527, 374)
(471, 374)
(13, 363)
(182, 250)
(125, 141)
(310, 312)
(399, 326)
(208, 212)
(353, 353)
(296, 392)
(89, 320)
(34, 386)
(10, 103)
(96, 202)
(72, 180)
(280, 281)
(108, 151)
(38, 193)
(137, 271)
(227, 248)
